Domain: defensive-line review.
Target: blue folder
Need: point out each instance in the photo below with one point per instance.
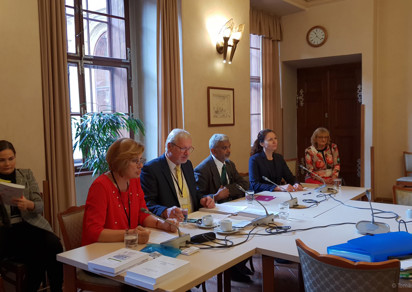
(374, 248)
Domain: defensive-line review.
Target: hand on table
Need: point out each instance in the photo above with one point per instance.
(207, 202)
(174, 213)
(143, 234)
(222, 193)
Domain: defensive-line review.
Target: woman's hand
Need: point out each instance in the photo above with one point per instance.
(23, 204)
(284, 188)
(297, 187)
(143, 234)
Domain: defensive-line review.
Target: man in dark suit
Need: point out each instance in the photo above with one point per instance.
(168, 181)
(217, 176)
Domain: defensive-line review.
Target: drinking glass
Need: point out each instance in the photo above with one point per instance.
(250, 196)
(130, 238)
(284, 210)
(185, 213)
(337, 184)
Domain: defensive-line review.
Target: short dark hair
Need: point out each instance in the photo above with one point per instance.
(4, 145)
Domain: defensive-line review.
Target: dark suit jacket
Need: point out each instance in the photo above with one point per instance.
(274, 170)
(159, 189)
(208, 179)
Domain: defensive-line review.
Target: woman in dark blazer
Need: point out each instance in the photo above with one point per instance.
(265, 162)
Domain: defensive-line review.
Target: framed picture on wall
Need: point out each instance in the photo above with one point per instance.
(220, 106)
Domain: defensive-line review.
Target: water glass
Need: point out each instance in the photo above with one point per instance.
(337, 184)
(131, 238)
(284, 210)
(185, 213)
(250, 196)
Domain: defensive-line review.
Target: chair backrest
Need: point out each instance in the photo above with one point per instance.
(408, 163)
(402, 195)
(71, 225)
(332, 273)
(293, 165)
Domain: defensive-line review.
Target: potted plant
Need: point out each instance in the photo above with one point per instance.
(95, 132)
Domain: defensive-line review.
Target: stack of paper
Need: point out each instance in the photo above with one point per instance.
(149, 274)
(118, 261)
(10, 191)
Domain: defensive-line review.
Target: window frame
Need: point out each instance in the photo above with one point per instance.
(81, 60)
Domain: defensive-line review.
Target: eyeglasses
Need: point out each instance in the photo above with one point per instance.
(139, 160)
(323, 137)
(183, 150)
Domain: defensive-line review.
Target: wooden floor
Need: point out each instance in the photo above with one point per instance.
(286, 279)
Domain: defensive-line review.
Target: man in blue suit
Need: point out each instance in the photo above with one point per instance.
(168, 181)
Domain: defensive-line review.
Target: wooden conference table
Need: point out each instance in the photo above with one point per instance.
(208, 263)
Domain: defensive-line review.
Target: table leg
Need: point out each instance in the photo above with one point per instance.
(268, 270)
(219, 282)
(69, 278)
(226, 280)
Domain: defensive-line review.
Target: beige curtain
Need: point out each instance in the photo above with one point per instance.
(56, 107)
(269, 27)
(170, 112)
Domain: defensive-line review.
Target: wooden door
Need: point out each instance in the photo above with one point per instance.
(328, 97)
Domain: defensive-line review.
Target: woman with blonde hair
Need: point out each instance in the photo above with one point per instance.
(322, 158)
(116, 198)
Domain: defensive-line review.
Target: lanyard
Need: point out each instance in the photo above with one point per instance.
(177, 182)
(120, 197)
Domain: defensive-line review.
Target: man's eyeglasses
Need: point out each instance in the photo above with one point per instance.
(139, 160)
(183, 150)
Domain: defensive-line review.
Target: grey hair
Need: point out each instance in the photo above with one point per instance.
(216, 138)
(175, 135)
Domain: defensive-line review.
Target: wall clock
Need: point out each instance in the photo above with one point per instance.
(316, 36)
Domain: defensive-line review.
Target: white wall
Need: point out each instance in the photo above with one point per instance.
(21, 110)
(203, 67)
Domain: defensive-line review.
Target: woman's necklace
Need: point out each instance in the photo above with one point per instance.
(120, 198)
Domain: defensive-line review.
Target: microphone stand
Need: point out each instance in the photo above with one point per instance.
(263, 220)
(323, 188)
(175, 242)
(293, 202)
(371, 227)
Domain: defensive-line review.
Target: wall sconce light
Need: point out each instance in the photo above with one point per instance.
(229, 36)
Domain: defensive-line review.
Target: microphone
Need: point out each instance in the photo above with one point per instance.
(293, 202)
(323, 188)
(204, 237)
(264, 220)
(371, 227)
(175, 242)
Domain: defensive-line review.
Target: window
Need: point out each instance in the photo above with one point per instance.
(255, 86)
(98, 58)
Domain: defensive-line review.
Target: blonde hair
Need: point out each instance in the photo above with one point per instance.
(315, 135)
(121, 152)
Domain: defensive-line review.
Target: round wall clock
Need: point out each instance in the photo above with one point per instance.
(316, 36)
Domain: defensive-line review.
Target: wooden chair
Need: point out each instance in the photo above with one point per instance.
(408, 163)
(71, 225)
(293, 165)
(402, 195)
(333, 273)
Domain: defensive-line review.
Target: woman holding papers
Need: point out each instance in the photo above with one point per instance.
(24, 233)
(322, 158)
(116, 198)
(264, 162)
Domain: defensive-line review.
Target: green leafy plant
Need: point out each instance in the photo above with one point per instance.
(95, 132)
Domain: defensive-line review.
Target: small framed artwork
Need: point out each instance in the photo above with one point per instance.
(220, 106)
